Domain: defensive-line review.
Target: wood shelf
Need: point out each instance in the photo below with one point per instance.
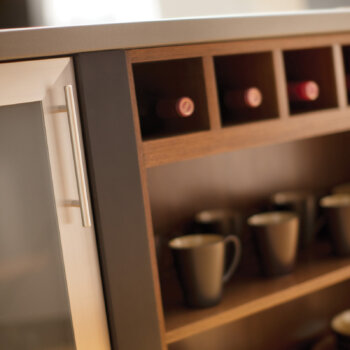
(200, 144)
(247, 296)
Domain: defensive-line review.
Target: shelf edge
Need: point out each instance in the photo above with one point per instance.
(232, 138)
(258, 305)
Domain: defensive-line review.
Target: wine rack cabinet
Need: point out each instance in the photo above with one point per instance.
(204, 72)
(272, 63)
(149, 176)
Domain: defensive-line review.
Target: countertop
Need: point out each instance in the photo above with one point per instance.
(56, 41)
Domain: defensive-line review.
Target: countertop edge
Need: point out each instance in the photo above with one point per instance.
(58, 41)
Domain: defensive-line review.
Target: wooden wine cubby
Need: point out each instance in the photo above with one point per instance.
(330, 117)
(237, 72)
(170, 79)
(312, 64)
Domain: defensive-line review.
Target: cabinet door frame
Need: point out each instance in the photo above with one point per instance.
(44, 81)
(122, 215)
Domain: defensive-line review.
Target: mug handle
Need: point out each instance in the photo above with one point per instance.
(236, 257)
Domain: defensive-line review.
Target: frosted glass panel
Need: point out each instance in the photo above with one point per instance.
(34, 306)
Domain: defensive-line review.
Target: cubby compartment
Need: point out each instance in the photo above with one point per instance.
(163, 83)
(235, 75)
(346, 57)
(244, 180)
(311, 65)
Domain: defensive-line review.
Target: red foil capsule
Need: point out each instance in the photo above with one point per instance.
(182, 107)
(243, 98)
(303, 91)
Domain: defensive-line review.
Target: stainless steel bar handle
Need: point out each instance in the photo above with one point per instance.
(78, 158)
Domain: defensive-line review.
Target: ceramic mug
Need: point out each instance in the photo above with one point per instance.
(199, 261)
(223, 221)
(303, 203)
(340, 326)
(276, 237)
(337, 207)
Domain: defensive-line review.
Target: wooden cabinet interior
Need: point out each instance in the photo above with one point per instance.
(277, 151)
(244, 180)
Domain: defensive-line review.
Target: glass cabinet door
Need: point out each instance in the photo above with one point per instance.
(50, 289)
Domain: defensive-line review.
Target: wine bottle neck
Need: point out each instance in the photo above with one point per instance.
(243, 98)
(303, 91)
(182, 107)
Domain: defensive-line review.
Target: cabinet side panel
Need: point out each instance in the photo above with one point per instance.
(118, 205)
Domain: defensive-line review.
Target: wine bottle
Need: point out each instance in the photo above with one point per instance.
(303, 91)
(243, 98)
(182, 107)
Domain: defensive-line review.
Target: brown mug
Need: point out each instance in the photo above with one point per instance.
(223, 221)
(304, 204)
(337, 207)
(199, 260)
(276, 236)
(340, 326)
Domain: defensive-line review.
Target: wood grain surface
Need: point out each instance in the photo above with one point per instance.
(250, 295)
(296, 325)
(238, 137)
